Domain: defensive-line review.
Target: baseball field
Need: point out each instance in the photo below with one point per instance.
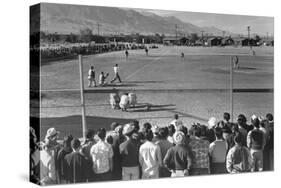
(196, 87)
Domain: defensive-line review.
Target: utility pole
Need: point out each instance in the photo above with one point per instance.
(83, 109)
(249, 44)
(98, 24)
(202, 35)
(176, 29)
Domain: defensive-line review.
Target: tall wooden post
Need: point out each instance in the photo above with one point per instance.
(231, 89)
(84, 124)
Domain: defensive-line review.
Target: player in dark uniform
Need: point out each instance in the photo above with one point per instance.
(182, 56)
(127, 54)
(146, 51)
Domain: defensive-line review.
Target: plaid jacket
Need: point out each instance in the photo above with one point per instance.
(200, 151)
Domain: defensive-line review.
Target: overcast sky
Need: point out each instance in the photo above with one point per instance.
(233, 23)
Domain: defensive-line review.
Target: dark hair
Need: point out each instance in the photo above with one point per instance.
(163, 132)
(147, 126)
(226, 116)
(148, 135)
(269, 117)
(195, 130)
(101, 133)
(113, 125)
(218, 132)
(136, 125)
(256, 122)
(90, 133)
(109, 140)
(176, 116)
(263, 122)
(238, 138)
(101, 72)
(171, 130)
(183, 129)
(67, 141)
(75, 143)
(92, 67)
(203, 130)
(116, 64)
(243, 118)
(234, 128)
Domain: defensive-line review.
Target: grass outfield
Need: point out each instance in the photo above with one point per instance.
(195, 88)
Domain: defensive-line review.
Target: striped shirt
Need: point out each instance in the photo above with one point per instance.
(200, 150)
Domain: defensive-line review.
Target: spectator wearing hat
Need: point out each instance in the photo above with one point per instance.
(210, 132)
(102, 154)
(179, 157)
(218, 151)
(164, 145)
(61, 169)
(238, 158)
(149, 157)
(200, 151)
(256, 143)
(155, 131)
(184, 129)
(76, 164)
(129, 151)
(48, 156)
(176, 122)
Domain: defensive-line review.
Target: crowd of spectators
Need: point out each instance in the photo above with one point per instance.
(130, 152)
(68, 50)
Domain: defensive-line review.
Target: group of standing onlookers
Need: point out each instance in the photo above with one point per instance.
(128, 152)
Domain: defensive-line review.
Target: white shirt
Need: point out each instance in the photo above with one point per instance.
(47, 165)
(150, 157)
(101, 152)
(116, 69)
(91, 72)
(217, 150)
(124, 100)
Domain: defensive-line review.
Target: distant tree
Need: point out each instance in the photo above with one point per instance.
(257, 38)
(194, 37)
(71, 38)
(85, 35)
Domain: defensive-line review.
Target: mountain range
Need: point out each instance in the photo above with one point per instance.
(65, 19)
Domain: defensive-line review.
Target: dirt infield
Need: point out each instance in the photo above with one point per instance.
(195, 87)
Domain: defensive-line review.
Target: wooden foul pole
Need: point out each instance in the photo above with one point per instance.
(84, 124)
(231, 89)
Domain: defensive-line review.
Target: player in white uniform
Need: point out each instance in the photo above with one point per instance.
(91, 77)
(116, 73)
